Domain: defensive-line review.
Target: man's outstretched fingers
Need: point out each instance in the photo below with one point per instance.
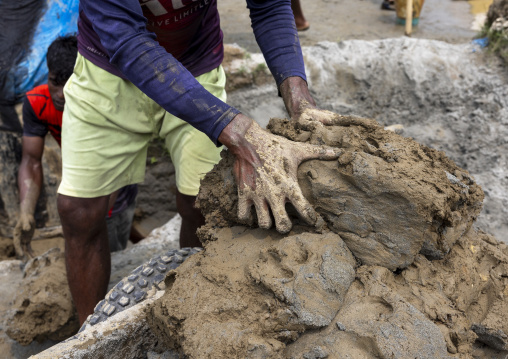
(328, 118)
(309, 152)
(244, 206)
(263, 212)
(282, 221)
(304, 208)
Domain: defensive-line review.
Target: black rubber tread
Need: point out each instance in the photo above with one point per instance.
(134, 288)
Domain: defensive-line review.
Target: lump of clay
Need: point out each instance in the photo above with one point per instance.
(43, 308)
(374, 322)
(388, 197)
(251, 291)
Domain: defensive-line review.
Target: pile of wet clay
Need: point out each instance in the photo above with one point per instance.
(43, 308)
(396, 271)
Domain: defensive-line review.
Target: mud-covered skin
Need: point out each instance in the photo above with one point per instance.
(265, 165)
(276, 182)
(139, 285)
(23, 233)
(30, 181)
(265, 169)
(311, 118)
(308, 119)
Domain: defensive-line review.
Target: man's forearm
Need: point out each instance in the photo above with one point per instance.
(29, 184)
(296, 96)
(274, 27)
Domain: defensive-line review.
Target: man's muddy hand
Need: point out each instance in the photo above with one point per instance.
(265, 170)
(312, 117)
(23, 233)
(302, 108)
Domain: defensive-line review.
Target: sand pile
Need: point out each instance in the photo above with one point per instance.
(43, 307)
(396, 272)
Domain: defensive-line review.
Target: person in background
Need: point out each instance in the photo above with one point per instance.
(388, 5)
(301, 23)
(42, 113)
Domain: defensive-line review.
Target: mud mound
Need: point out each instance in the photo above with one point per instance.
(399, 272)
(44, 309)
(252, 291)
(430, 310)
(359, 287)
(387, 196)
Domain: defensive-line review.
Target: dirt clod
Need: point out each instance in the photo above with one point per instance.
(43, 308)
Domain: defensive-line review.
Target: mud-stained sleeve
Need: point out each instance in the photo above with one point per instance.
(121, 27)
(32, 126)
(275, 30)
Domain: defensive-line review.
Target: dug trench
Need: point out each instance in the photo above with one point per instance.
(400, 269)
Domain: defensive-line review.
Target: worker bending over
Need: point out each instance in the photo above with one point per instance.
(42, 113)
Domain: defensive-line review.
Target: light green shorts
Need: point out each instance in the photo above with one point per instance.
(107, 126)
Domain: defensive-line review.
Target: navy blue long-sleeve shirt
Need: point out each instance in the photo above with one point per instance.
(162, 45)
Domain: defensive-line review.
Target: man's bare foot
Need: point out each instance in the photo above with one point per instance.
(302, 25)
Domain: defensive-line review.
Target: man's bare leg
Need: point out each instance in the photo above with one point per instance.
(301, 23)
(87, 256)
(192, 219)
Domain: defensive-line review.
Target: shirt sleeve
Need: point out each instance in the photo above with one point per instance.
(275, 31)
(121, 27)
(32, 126)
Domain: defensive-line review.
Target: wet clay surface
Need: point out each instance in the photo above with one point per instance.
(444, 298)
(45, 299)
(398, 196)
(255, 290)
(261, 294)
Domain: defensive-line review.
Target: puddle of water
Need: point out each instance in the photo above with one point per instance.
(480, 6)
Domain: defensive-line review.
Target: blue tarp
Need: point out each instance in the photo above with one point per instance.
(30, 27)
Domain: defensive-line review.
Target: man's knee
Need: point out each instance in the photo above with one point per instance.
(82, 212)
